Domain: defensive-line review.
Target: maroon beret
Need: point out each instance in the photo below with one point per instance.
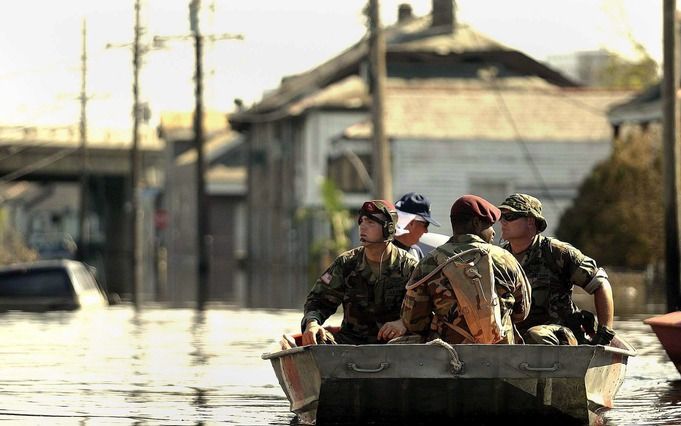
(472, 205)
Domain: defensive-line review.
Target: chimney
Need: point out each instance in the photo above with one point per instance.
(404, 13)
(443, 14)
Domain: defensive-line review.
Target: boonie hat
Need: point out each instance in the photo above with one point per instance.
(523, 203)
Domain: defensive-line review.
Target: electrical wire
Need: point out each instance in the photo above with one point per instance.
(44, 162)
(518, 138)
(521, 142)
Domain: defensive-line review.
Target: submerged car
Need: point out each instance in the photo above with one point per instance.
(48, 285)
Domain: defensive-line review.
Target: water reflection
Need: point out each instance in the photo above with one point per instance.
(158, 366)
(671, 393)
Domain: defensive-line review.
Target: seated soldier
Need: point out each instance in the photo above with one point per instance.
(553, 269)
(368, 281)
(467, 290)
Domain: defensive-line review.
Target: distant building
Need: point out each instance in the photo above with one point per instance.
(453, 138)
(642, 109)
(226, 189)
(464, 114)
(584, 67)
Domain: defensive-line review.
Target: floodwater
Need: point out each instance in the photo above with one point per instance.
(178, 366)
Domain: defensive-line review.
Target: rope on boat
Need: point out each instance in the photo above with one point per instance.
(455, 363)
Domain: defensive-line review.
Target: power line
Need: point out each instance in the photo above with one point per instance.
(521, 142)
(492, 78)
(37, 165)
(202, 201)
(50, 67)
(18, 151)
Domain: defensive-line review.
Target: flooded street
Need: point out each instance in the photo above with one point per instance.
(163, 366)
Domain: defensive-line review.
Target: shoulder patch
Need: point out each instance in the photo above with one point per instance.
(326, 278)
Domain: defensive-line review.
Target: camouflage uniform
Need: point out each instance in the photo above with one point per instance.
(368, 301)
(429, 307)
(553, 267)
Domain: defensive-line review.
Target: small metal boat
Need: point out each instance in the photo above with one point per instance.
(667, 327)
(474, 384)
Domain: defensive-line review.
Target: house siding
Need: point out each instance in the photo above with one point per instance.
(320, 128)
(274, 262)
(287, 162)
(445, 170)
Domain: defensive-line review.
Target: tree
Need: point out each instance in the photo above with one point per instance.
(617, 217)
(619, 73)
(324, 250)
(12, 246)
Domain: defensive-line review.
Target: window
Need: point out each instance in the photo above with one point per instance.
(350, 172)
(35, 283)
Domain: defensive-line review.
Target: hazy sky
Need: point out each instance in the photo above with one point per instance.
(40, 76)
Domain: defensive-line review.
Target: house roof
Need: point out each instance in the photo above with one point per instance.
(220, 141)
(644, 107)
(219, 144)
(225, 180)
(455, 110)
(178, 125)
(348, 93)
(414, 40)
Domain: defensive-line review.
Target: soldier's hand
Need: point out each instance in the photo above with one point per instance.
(392, 329)
(604, 335)
(310, 334)
(315, 334)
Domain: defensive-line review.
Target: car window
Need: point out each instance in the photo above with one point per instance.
(35, 283)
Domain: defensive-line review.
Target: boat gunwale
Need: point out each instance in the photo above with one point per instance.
(291, 351)
(628, 351)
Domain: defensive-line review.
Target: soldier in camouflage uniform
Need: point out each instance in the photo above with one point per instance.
(553, 268)
(431, 308)
(368, 281)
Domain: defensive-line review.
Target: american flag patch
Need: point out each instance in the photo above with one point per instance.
(326, 278)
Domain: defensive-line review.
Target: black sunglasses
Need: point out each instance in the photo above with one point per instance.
(511, 216)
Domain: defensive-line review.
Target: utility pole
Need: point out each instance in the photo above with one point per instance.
(670, 96)
(382, 176)
(135, 191)
(202, 202)
(135, 186)
(82, 217)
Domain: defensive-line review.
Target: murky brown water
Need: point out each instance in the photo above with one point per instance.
(163, 366)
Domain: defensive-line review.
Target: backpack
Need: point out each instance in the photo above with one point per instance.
(473, 283)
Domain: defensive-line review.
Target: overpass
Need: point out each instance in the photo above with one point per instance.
(54, 155)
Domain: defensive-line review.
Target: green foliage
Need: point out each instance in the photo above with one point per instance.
(620, 73)
(12, 246)
(617, 217)
(323, 251)
(338, 218)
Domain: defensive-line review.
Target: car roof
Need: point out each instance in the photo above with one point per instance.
(41, 264)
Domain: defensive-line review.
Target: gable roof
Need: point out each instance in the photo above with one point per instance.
(644, 107)
(476, 110)
(414, 40)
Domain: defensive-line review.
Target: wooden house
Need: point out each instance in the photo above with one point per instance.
(464, 114)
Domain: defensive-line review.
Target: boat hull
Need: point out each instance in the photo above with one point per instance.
(336, 384)
(668, 330)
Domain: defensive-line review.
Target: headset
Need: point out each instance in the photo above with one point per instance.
(370, 209)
